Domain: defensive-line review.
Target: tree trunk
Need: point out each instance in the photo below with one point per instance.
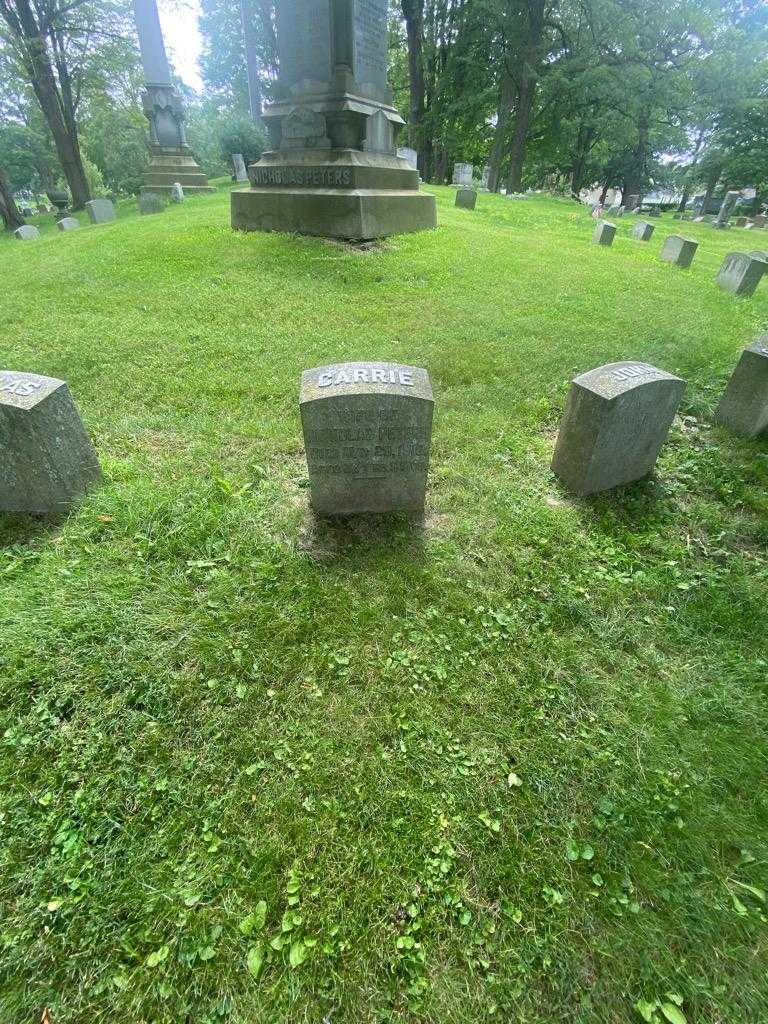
(9, 211)
(603, 194)
(687, 185)
(507, 96)
(712, 179)
(584, 144)
(413, 12)
(527, 92)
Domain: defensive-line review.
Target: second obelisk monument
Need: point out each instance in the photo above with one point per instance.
(332, 167)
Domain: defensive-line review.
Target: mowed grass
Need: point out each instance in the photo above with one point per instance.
(508, 763)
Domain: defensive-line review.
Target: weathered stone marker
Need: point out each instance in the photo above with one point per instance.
(741, 273)
(744, 405)
(643, 230)
(367, 430)
(604, 233)
(463, 174)
(616, 419)
(759, 220)
(100, 211)
(241, 174)
(410, 156)
(46, 458)
(740, 222)
(726, 209)
(150, 202)
(67, 224)
(177, 193)
(26, 232)
(466, 198)
(679, 250)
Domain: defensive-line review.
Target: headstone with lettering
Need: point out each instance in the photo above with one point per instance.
(26, 232)
(367, 430)
(744, 405)
(150, 202)
(679, 250)
(741, 273)
(462, 174)
(604, 233)
(331, 167)
(726, 209)
(241, 174)
(177, 193)
(466, 198)
(67, 224)
(643, 230)
(46, 457)
(100, 211)
(616, 419)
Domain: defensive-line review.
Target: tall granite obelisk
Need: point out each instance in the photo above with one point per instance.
(172, 159)
(332, 167)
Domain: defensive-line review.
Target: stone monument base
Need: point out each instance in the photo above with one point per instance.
(345, 194)
(170, 164)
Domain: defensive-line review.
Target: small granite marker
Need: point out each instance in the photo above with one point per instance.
(100, 211)
(67, 224)
(26, 232)
(367, 430)
(741, 273)
(466, 198)
(616, 419)
(744, 405)
(150, 202)
(177, 192)
(604, 233)
(643, 230)
(679, 250)
(46, 458)
(241, 174)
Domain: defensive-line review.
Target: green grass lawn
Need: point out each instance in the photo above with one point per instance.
(505, 764)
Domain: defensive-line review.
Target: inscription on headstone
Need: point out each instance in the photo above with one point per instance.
(741, 273)
(304, 41)
(616, 419)
(367, 430)
(604, 233)
(46, 458)
(679, 250)
(744, 405)
(371, 42)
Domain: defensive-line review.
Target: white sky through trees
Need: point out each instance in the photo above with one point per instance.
(178, 19)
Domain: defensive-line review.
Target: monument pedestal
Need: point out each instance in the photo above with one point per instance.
(174, 163)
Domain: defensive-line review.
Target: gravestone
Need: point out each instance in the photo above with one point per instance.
(726, 209)
(466, 198)
(759, 254)
(604, 233)
(241, 174)
(150, 202)
(485, 177)
(410, 156)
(679, 250)
(709, 218)
(632, 202)
(100, 211)
(26, 232)
(462, 174)
(616, 419)
(67, 224)
(740, 222)
(177, 193)
(46, 457)
(643, 230)
(744, 405)
(331, 167)
(741, 273)
(759, 220)
(654, 211)
(367, 429)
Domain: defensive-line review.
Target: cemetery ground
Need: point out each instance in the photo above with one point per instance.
(508, 763)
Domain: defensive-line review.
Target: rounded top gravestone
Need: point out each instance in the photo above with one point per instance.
(26, 232)
(67, 224)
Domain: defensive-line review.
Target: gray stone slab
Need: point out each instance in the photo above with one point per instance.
(410, 156)
(46, 457)
(616, 419)
(241, 174)
(466, 198)
(741, 273)
(726, 209)
(67, 224)
(679, 250)
(100, 211)
(462, 174)
(604, 233)
(643, 230)
(177, 192)
(744, 405)
(26, 232)
(367, 429)
(150, 202)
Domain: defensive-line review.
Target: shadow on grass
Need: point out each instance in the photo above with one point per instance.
(636, 506)
(18, 529)
(329, 538)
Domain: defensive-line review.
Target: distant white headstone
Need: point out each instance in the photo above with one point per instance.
(462, 174)
(410, 155)
(67, 224)
(241, 174)
(100, 211)
(26, 232)
(177, 192)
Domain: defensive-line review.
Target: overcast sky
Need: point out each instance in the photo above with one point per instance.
(182, 38)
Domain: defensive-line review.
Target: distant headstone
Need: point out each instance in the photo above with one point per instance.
(654, 211)
(46, 458)
(367, 430)
(726, 209)
(67, 224)
(177, 192)
(759, 220)
(740, 222)
(744, 405)
(485, 177)
(643, 230)
(466, 198)
(26, 232)
(616, 419)
(604, 233)
(709, 218)
(241, 174)
(100, 211)
(462, 174)
(632, 202)
(741, 273)
(150, 202)
(410, 156)
(679, 250)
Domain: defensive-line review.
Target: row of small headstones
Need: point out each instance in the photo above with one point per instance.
(100, 211)
(367, 430)
(740, 272)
